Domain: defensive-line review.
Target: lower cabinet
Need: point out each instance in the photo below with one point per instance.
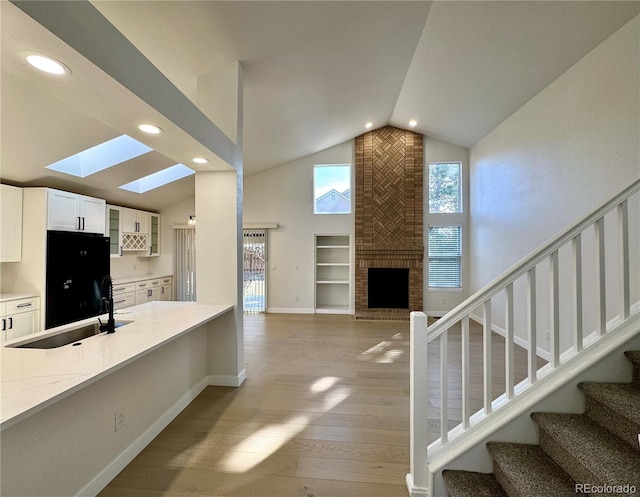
(19, 317)
(141, 292)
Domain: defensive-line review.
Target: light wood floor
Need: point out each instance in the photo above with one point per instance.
(324, 412)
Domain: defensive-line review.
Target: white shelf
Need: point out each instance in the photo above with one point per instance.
(333, 274)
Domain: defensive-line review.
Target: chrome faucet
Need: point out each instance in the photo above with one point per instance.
(107, 305)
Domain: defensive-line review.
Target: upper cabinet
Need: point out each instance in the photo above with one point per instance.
(11, 224)
(134, 221)
(73, 212)
(131, 230)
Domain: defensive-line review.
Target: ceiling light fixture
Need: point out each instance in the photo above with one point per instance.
(200, 160)
(413, 123)
(45, 63)
(150, 129)
(368, 125)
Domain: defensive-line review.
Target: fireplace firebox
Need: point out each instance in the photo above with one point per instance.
(388, 288)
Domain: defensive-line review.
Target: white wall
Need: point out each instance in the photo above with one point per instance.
(437, 303)
(565, 152)
(176, 214)
(284, 195)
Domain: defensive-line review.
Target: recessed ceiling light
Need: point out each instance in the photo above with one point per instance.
(200, 160)
(368, 125)
(150, 129)
(413, 123)
(45, 63)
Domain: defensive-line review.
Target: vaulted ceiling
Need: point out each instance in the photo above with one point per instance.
(314, 74)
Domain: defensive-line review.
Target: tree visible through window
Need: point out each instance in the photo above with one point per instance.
(332, 189)
(444, 188)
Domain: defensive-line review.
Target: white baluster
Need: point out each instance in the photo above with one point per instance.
(576, 252)
(486, 349)
(601, 309)
(508, 340)
(444, 387)
(554, 309)
(623, 235)
(532, 326)
(466, 414)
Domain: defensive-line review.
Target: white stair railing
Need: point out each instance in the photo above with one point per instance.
(595, 290)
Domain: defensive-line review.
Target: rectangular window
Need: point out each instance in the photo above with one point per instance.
(332, 189)
(445, 194)
(445, 256)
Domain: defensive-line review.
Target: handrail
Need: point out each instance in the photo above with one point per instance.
(501, 289)
(527, 262)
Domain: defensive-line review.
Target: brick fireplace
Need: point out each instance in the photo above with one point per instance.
(389, 230)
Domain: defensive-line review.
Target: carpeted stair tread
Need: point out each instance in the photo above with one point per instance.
(526, 471)
(616, 407)
(472, 484)
(586, 451)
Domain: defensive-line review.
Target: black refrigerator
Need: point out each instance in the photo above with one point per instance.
(76, 266)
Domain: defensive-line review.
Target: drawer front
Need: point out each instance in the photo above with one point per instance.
(22, 305)
(124, 300)
(120, 289)
(141, 285)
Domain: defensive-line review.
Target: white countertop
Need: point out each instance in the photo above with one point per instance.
(131, 279)
(32, 379)
(4, 297)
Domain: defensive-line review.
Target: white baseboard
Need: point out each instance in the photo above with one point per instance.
(290, 310)
(102, 479)
(413, 490)
(519, 341)
(220, 380)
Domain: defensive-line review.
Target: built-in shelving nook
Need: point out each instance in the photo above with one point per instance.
(333, 273)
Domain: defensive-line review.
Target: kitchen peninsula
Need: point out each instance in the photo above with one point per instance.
(72, 417)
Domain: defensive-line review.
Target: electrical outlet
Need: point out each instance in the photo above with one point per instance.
(118, 420)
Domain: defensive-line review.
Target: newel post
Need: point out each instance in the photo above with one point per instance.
(417, 479)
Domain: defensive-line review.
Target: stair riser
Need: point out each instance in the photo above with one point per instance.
(617, 424)
(504, 481)
(568, 462)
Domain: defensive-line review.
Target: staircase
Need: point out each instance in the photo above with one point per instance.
(595, 453)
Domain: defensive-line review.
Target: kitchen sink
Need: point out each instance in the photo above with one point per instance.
(71, 336)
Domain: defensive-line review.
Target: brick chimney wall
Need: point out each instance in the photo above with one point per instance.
(389, 213)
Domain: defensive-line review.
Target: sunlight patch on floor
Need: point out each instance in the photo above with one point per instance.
(324, 384)
(260, 445)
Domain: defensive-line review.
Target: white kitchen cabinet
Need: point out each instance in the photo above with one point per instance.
(124, 295)
(11, 224)
(135, 221)
(73, 212)
(19, 317)
(114, 230)
(154, 234)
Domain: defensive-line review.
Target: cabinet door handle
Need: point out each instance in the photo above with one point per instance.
(83, 224)
(149, 293)
(4, 324)
(119, 289)
(10, 323)
(121, 250)
(78, 226)
(26, 304)
(120, 301)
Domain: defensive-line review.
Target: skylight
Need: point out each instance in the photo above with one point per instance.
(160, 178)
(103, 156)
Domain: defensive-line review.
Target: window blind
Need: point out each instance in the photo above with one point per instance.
(184, 263)
(445, 255)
